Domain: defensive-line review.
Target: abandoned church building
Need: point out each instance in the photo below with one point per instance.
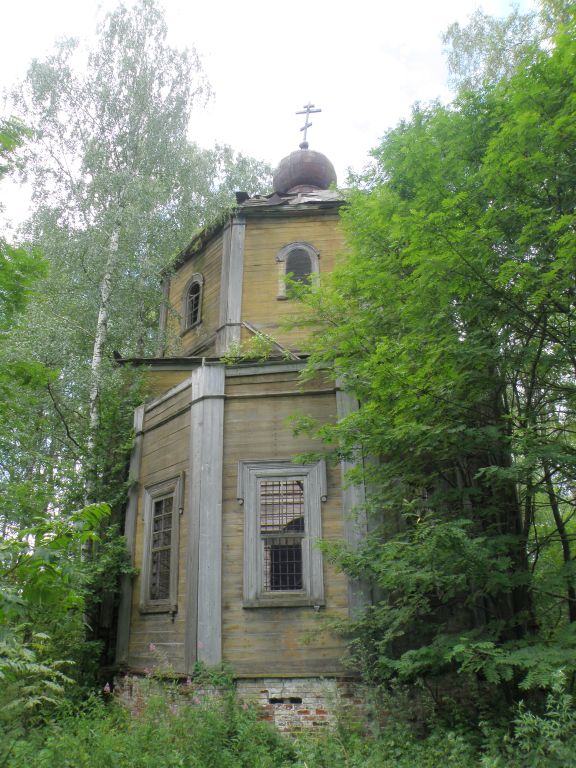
(222, 521)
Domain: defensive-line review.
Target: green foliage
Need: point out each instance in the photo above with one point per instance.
(30, 685)
(118, 190)
(452, 322)
(218, 733)
(37, 565)
(222, 731)
(258, 348)
(41, 595)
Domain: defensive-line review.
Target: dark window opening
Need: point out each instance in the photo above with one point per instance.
(299, 266)
(283, 566)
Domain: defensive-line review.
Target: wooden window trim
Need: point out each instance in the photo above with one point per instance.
(173, 486)
(314, 477)
(282, 260)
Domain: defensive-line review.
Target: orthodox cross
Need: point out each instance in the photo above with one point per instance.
(308, 110)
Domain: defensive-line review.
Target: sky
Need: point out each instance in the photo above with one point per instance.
(363, 62)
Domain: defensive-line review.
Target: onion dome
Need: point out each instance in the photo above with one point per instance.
(304, 170)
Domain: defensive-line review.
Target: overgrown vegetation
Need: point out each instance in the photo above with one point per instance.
(452, 322)
(228, 733)
(118, 189)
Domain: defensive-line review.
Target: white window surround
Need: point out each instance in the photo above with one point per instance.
(198, 279)
(313, 477)
(173, 487)
(282, 258)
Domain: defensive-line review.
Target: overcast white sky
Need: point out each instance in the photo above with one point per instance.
(364, 62)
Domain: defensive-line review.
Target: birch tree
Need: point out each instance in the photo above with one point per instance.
(118, 188)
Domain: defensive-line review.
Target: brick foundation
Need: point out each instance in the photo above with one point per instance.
(291, 704)
(298, 704)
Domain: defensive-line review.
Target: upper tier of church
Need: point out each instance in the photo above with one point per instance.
(230, 281)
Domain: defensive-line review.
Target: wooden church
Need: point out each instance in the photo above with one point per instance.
(222, 521)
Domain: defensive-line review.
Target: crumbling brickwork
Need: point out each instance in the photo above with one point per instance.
(291, 704)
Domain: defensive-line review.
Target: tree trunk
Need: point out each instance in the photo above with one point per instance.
(101, 334)
(564, 539)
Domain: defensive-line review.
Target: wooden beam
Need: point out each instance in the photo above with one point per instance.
(204, 569)
(231, 284)
(353, 500)
(125, 609)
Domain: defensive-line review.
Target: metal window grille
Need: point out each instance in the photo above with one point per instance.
(161, 549)
(193, 307)
(281, 504)
(299, 265)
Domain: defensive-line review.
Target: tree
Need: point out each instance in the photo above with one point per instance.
(453, 323)
(19, 267)
(20, 378)
(118, 190)
(488, 49)
(41, 576)
(117, 185)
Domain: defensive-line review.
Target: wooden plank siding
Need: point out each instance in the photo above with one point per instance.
(264, 239)
(209, 264)
(255, 641)
(165, 453)
(275, 641)
(159, 382)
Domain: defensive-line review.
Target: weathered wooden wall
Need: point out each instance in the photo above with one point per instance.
(255, 641)
(160, 381)
(275, 641)
(258, 403)
(208, 263)
(165, 453)
(264, 239)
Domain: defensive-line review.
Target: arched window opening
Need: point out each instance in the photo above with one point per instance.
(192, 310)
(298, 261)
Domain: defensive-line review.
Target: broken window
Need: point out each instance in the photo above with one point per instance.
(161, 513)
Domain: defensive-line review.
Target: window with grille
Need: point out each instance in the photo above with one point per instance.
(298, 262)
(192, 309)
(282, 516)
(161, 516)
(282, 528)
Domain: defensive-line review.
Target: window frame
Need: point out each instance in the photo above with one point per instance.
(282, 261)
(174, 487)
(196, 279)
(315, 492)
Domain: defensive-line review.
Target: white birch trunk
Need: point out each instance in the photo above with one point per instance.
(101, 334)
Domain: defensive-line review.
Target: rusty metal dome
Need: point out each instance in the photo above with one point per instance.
(303, 171)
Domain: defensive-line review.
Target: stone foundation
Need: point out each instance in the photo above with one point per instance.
(291, 704)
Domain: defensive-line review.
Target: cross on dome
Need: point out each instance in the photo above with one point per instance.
(308, 110)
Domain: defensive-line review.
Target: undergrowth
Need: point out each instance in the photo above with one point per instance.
(226, 733)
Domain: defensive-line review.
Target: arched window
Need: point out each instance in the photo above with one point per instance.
(192, 309)
(298, 261)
